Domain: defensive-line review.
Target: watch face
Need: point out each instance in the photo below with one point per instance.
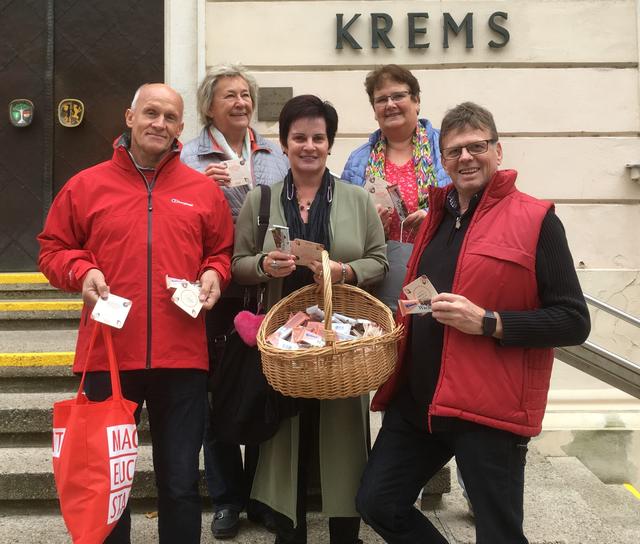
(489, 323)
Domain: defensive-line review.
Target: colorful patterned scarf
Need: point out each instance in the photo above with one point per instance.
(422, 163)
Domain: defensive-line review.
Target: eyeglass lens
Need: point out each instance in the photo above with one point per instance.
(395, 97)
(474, 148)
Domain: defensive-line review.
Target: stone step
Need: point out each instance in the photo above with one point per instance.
(617, 506)
(56, 376)
(29, 285)
(49, 527)
(26, 418)
(554, 512)
(26, 474)
(40, 310)
(40, 343)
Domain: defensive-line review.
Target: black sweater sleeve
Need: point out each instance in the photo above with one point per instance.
(563, 319)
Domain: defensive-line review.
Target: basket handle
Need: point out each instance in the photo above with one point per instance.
(327, 289)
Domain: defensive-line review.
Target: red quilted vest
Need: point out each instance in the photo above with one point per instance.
(480, 380)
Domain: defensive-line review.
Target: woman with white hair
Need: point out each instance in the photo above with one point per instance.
(226, 102)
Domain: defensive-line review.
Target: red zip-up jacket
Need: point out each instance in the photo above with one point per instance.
(480, 380)
(107, 217)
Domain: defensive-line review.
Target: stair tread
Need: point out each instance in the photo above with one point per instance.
(16, 341)
(554, 511)
(39, 304)
(32, 401)
(614, 503)
(38, 460)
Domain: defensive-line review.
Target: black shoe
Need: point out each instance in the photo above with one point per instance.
(225, 524)
(261, 514)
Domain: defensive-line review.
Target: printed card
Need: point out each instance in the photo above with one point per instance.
(187, 298)
(408, 307)
(378, 189)
(420, 289)
(239, 171)
(281, 238)
(112, 312)
(398, 202)
(174, 283)
(306, 252)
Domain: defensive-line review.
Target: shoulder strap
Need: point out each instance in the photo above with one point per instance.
(263, 214)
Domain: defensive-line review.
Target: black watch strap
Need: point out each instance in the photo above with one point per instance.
(489, 323)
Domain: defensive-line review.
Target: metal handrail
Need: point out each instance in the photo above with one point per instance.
(612, 310)
(595, 348)
(602, 363)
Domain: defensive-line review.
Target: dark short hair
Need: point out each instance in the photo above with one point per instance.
(391, 72)
(308, 106)
(469, 115)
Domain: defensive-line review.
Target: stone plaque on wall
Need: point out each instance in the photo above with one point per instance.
(271, 100)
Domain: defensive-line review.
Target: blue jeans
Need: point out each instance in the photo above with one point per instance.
(405, 458)
(174, 400)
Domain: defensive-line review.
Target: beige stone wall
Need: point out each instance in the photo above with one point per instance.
(565, 92)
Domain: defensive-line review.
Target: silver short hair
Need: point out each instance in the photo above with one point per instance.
(136, 95)
(208, 86)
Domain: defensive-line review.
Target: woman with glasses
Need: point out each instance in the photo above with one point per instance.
(404, 151)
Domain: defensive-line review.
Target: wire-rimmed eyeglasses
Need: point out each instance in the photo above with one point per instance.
(474, 148)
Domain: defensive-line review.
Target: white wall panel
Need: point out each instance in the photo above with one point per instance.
(303, 33)
(602, 236)
(580, 100)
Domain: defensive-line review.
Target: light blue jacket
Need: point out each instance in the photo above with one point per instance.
(356, 164)
(268, 164)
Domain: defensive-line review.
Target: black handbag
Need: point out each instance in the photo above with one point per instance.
(245, 409)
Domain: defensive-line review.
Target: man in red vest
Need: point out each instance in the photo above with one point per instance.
(473, 376)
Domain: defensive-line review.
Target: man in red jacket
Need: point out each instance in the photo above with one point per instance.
(122, 226)
(473, 376)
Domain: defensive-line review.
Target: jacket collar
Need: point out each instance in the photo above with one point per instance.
(122, 144)
(501, 184)
(207, 145)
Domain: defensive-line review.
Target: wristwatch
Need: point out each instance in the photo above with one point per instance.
(489, 323)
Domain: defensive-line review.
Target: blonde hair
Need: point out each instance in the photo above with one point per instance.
(208, 86)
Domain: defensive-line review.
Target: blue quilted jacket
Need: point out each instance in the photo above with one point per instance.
(357, 161)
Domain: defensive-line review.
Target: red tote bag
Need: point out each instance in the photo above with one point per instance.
(95, 447)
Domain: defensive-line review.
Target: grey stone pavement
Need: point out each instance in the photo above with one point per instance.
(564, 504)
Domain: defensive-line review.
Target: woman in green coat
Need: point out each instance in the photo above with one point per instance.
(327, 434)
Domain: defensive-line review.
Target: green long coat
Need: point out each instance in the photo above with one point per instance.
(357, 239)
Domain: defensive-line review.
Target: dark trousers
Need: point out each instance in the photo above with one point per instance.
(342, 530)
(405, 458)
(174, 400)
(228, 480)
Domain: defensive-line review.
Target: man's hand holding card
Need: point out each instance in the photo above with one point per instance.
(419, 294)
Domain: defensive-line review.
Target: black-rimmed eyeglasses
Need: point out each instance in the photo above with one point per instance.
(474, 148)
(395, 98)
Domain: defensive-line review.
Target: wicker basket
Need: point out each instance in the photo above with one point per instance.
(340, 369)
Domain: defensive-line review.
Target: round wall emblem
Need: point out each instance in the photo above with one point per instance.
(70, 112)
(21, 112)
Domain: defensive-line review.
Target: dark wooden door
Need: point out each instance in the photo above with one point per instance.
(94, 51)
(23, 168)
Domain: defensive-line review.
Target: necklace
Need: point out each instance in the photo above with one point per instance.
(304, 206)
